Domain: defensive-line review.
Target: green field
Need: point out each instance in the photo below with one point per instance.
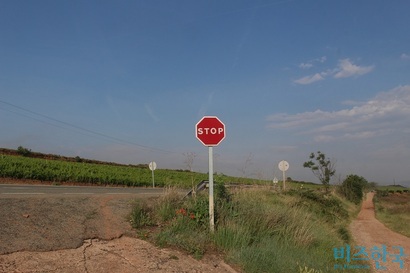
(63, 171)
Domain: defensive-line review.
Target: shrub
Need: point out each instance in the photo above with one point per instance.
(352, 188)
(328, 206)
(23, 151)
(381, 193)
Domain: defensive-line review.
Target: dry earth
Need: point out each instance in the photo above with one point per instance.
(83, 234)
(369, 232)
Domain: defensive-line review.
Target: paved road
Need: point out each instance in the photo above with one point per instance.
(12, 190)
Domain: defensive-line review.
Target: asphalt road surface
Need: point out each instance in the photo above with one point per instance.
(10, 190)
(50, 217)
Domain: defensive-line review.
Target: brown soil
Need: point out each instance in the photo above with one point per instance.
(83, 234)
(369, 232)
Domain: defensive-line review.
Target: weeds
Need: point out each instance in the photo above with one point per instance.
(259, 230)
(141, 215)
(393, 209)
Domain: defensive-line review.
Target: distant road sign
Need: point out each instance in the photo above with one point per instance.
(152, 166)
(210, 131)
(283, 166)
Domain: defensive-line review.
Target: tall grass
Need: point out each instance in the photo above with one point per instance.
(259, 230)
(393, 209)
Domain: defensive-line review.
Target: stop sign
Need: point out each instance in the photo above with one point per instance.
(210, 131)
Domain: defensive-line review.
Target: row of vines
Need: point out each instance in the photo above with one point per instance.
(19, 167)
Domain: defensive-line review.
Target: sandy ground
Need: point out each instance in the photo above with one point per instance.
(83, 234)
(369, 232)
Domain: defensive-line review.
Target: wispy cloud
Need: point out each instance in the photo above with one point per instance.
(405, 57)
(386, 113)
(345, 69)
(309, 79)
(204, 107)
(151, 113)
(311, 63)
(305, 65)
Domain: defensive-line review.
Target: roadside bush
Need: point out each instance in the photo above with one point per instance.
(382, 193)
(352, 188)
(326, 205)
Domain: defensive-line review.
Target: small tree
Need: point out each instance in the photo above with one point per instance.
(352, 188)
(322, 167)
(23, 151)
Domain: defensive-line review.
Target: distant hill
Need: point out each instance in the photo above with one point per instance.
(399, 186)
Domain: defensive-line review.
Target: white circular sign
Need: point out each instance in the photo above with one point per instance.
(152, 166)
(283, 165)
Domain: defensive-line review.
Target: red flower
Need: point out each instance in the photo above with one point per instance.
(181, 211)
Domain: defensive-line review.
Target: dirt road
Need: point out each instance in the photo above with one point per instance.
(369, 232)
(77, 234)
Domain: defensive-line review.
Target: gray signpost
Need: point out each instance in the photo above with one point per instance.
(210, 131)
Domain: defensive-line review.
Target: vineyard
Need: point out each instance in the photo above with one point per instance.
(19, 167)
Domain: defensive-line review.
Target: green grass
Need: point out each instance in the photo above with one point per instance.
(393, 209)
(258, 230)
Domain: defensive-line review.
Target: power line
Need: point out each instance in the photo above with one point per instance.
(78, 128)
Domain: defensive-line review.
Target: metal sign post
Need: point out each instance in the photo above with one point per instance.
(152, 167)
(210, 131)
(283, 166)
(211, 190)
(275, 182)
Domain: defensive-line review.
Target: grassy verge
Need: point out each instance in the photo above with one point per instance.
(393, 209)
(257, 230)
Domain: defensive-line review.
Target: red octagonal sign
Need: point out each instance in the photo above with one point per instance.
(210, 131)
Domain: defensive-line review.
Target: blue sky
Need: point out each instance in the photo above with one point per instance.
(127, 81)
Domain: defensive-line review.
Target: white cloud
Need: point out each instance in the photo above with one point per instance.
(346, 69)
(405, 57)
(311, 63)
(305, 65)
(309, 79)
(322, 59)
(386, 113)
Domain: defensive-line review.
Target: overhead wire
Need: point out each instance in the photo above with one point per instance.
(66, 125)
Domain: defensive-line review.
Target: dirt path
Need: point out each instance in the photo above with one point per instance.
(123, 255)
(369, 232)
(83, 235)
